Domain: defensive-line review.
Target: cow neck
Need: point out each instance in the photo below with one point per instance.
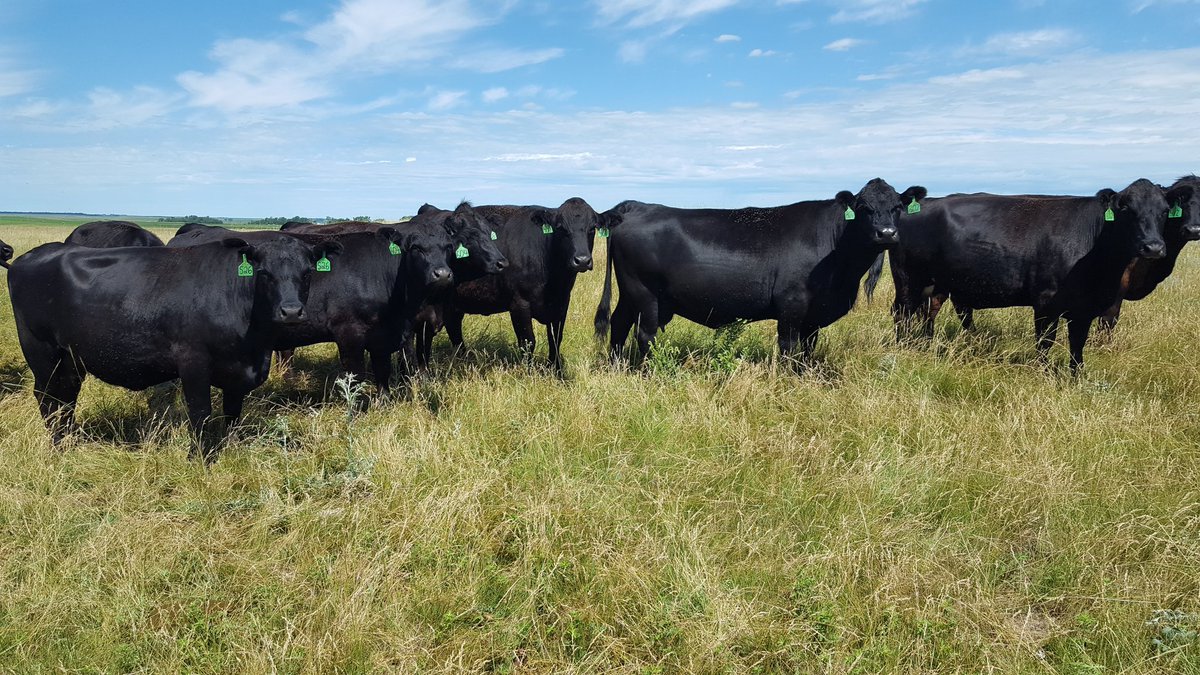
(1145, 275)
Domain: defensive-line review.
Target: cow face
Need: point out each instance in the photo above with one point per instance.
(1143, 207)
(1183, 215)
(282, 271)
(574, 230)
(427, 254)
(474, 248)
(876, 209)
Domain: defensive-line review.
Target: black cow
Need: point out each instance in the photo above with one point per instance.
(140, 316)
(1062, 256)
(475, 255)
(368, 302)
(6, 254)
(546, 250)
(799, 264)
(112, 234)
(1183, 225)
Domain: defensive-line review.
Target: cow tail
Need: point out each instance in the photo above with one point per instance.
(602, 311)
(873, 277)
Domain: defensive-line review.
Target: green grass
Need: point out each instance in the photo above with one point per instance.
(956, 508)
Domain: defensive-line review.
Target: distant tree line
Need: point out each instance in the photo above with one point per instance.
(280, 221)
(207, 220)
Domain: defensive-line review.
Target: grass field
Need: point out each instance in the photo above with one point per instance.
(955, 508)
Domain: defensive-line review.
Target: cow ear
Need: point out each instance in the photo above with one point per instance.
(426, 208)
(915, 192)
(243, 248)
(610, 219)
(845, 198)
(541, 217)
(326, 249)
(1180, 195)
(387, 233)
(1107, 196)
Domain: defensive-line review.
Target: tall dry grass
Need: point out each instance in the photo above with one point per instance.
(955, 508)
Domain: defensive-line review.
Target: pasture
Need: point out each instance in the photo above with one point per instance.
(955, 507)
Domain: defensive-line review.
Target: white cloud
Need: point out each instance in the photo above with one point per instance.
(445, 100)
(977, 76)
(727, 38)
(14, 79)
(744, 105)
(109, 109)
(843, 44)
(1141, 5)
(642, 13)
(494, 94)
(362, 37)
(633, 51)
(1026, 43)
(874, 11)
(760, 53)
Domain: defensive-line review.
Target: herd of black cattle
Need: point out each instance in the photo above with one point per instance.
(210, 306)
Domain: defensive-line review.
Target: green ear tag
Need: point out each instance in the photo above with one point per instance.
(547, 228)
(493, 235)
(914, 207)
(603, 232)
(849, 213)
(394, 248)
(245, 269)
(323, 265)
(1175, 212)
(461, 252)
(1109, 216)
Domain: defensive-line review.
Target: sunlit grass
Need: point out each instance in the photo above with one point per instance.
(950, 508)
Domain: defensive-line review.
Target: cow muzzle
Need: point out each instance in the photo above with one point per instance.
(291, 313)
(1191, 232)
(440, 276)
(887, 236)
(581, 263)
(1153, 250)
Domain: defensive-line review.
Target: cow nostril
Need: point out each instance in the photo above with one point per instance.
(583, 260)
(501, 264)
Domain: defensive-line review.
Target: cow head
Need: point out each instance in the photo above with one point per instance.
(1143, 207)
(424, 251)
(282, 270)
(876, 209)
(475, 248)
(6, 254)
(1183, 215)
(573, 228)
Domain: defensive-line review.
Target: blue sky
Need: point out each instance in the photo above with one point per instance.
(372, 107)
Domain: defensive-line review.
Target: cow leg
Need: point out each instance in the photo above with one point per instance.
(381, 367)
(454, 324)
(232, 404)
(425, 333)
(620, 324)
(792, 335)
(966, 315)
(522, 323)
(1046, 327)
(197, 395)
(350, 353)
(933, 307)
(554, 336)
(647, 329)
(1077, 334)
(57, 380)
(1108, 320)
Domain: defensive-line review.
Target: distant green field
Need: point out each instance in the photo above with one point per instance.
(950, 508)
